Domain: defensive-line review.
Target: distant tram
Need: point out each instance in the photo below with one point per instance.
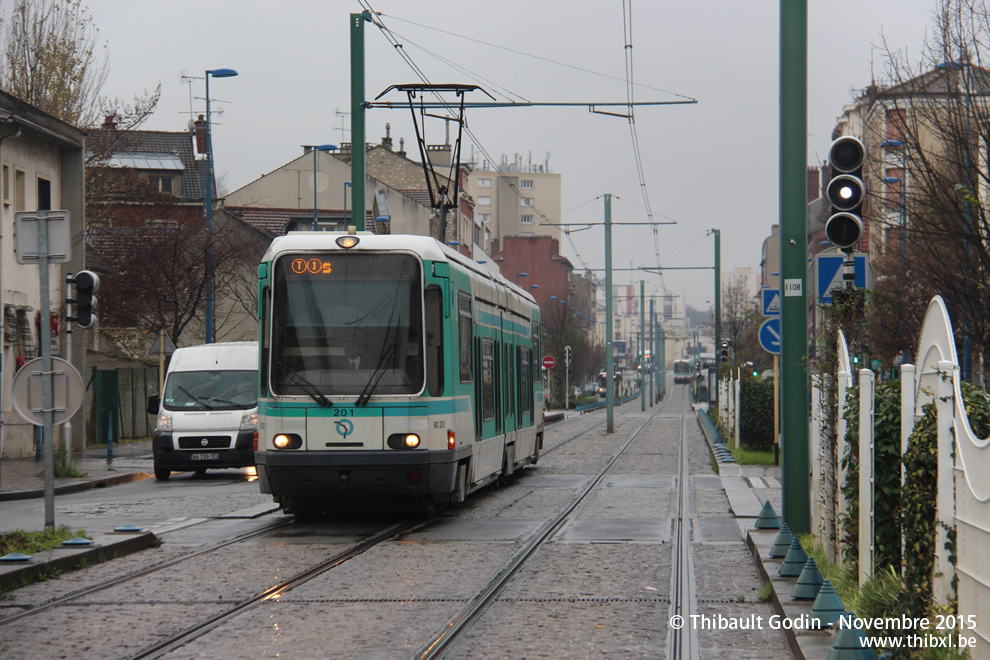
(392, 368)
(684, 371)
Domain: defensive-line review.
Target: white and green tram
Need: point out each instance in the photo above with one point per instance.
(391, 368)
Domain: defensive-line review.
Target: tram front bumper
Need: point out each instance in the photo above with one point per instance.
(295, 474)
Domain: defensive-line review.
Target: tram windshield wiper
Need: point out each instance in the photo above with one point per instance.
(387, 356)
(376, 376)
(307, 387)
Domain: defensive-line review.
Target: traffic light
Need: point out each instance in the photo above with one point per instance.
(845, 192)
(86, 282)
(724, 353)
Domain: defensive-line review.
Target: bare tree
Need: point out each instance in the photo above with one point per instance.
(153, 272)
(52, 60)
(927, 122)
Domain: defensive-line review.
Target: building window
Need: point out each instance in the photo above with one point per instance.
(896, 124)
(894, 182)
(484, 201)
(526, 234)
(161, 183)
(527, 219)
(485, 217)
(6, 184)
(484, 183)
(20, 203)
(527, 201)
(44, 194)
(526, 183)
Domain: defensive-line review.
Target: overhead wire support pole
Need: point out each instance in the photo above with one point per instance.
(609, 367)
(358, 105)
(793, 115)
(718, 304)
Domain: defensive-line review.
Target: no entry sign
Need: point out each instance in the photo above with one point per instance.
(549, 362)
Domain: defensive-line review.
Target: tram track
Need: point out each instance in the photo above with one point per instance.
(144, 572)
(209, 624)
(682, 641)
(461, 623)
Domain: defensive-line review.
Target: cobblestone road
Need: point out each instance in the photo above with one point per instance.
(600, 588)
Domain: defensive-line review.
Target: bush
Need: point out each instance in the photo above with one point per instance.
(756, 414)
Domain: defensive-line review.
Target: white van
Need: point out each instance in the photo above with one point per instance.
(208, 413)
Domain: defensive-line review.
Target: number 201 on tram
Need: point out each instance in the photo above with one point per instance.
(390, 367)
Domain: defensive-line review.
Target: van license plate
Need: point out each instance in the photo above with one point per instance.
(204, 457)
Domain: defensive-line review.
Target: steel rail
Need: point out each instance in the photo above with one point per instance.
(682, 641)
(203, 627)
(463, 620)
(68, 598)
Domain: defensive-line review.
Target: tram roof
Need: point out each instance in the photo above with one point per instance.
(426, 247)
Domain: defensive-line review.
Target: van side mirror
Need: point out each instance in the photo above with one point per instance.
(154, 403)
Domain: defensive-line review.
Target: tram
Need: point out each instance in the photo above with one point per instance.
(391, 368)
(684, 371)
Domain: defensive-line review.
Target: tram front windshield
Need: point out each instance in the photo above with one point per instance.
(347, 324)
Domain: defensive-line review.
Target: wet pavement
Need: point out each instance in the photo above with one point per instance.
(23, 478)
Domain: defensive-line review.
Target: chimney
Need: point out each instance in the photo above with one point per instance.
(813, 186)
(387, 140)
(110, 123)
(199, 128)
(402, 147)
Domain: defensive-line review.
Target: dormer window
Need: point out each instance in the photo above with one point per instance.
(161, 183)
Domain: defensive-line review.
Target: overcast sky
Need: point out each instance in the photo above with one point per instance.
(707, 165)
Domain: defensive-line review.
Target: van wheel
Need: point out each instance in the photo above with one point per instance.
(162, 473)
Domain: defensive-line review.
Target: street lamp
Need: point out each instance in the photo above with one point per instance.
(521, 275)
(216, 73)
(315, 149)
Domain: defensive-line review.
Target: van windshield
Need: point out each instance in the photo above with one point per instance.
(211, 390)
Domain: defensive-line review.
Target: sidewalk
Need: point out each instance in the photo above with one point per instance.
(24, 478)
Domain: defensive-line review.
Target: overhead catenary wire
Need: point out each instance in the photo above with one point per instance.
(629, 79)
(397, 45)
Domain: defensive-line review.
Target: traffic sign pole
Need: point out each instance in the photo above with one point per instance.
(47, 434)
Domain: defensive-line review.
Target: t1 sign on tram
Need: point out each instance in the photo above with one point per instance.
(549, 362)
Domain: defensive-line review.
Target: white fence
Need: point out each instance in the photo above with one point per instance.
(963, 487)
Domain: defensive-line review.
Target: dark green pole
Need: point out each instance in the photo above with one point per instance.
(357, 120)
(653, 351)
(609, 367)
(642, 346)
(793, 264)
(718, 308)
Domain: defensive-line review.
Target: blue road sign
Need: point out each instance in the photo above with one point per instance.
(771, 302)
(829, 274)
(770, 335)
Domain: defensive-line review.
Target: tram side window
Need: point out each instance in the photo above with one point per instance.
(434, 341)
(465, 323)
(266, 306)
(487, 380)
(526, 385)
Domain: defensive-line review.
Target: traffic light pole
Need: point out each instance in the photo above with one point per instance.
(793, 264)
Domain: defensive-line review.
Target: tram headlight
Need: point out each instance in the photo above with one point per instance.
(403, 441)
(287, 441)
(348, 241)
